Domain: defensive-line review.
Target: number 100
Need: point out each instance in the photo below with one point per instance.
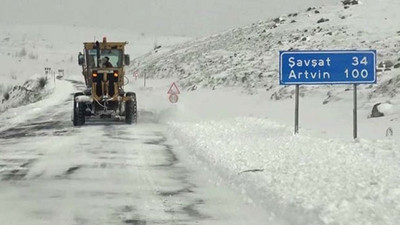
(355, 73)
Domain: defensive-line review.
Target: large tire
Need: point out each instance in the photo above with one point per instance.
(131, 109)
(79, 112)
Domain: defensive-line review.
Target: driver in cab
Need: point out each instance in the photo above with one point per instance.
(105, 62)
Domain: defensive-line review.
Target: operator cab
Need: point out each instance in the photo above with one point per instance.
(114, 55)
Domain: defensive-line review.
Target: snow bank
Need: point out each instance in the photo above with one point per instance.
(31, 91)
(343, 182)
(56, 93)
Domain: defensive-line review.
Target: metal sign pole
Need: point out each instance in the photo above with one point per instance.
(144, 82)
(296, 113)
(355, 112)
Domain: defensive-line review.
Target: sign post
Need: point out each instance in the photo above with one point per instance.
(327, 68)
(144, 79)
(355, 112)
(296, 111)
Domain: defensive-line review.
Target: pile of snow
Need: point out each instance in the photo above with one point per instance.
(31, 91)
(55, 93)
(341, 182)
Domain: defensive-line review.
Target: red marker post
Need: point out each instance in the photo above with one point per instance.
(173, 93)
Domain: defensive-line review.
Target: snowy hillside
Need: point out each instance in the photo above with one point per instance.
(248, 57)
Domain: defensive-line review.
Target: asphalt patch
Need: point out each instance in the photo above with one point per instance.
(177, 192)
(172, 159)
(35, 129)
(72, 170)
(135, 222)
(19, 173)
(192, 211)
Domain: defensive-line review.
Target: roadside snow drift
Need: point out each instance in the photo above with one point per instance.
(346, 183)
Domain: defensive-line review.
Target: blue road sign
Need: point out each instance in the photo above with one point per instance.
(327, 67)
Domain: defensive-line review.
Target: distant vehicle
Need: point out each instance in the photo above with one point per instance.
(103, 69)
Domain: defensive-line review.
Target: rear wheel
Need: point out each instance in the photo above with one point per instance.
(79, 112)
(131, 109)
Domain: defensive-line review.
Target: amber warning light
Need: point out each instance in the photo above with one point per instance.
(115, 74)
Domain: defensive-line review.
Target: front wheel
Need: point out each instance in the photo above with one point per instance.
(131, 109)
(79, 112)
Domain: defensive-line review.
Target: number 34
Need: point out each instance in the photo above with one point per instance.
(356, 61)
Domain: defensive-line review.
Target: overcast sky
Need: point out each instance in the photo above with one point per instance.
(159, 17)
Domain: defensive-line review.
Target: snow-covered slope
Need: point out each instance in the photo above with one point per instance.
(248, 56)
(31, 91)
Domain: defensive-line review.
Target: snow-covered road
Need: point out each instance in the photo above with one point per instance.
(107, 173)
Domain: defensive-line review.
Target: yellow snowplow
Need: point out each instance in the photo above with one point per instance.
(103, 70)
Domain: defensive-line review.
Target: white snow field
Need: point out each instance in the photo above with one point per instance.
(225, 153)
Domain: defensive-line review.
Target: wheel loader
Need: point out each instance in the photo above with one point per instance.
(104, 98)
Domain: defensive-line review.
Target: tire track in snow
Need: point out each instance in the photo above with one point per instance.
(184, 214)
